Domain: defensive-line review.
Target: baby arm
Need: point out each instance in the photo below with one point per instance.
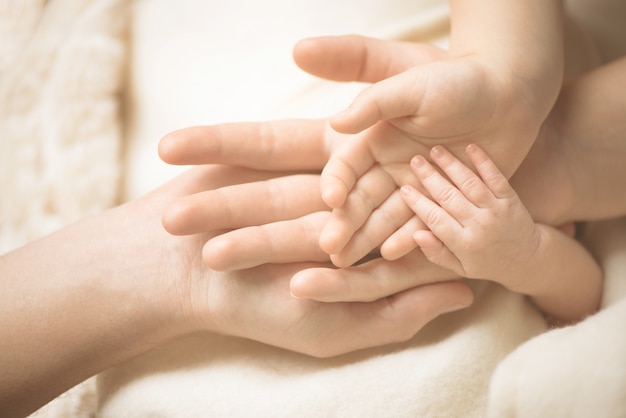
(486, 90)
(479, 228)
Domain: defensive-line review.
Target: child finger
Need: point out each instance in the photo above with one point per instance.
(349, 162)
(383, 221)
(445, 227)
(369, 192)
(401, 242)
(391, 98)
(446, 195)
(491, 175)
(436, 251)
(462, 176)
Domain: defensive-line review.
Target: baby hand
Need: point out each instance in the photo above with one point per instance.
(452, 102)
(477, 225)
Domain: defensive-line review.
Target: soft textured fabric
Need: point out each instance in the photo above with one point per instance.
(577, 371)
(443, 372)
(196, 63)
(189, 62)
(61, 69)
(60, 75)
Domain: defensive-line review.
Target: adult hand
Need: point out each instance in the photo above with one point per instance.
(115, 285)
(293, 145)
(286, 227)
(279, 209)
(256, 303)
(568, 140)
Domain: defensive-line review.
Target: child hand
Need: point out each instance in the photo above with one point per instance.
(477, 225)
(453, 103)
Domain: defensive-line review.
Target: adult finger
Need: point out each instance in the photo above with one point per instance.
(239, 205)
(393, 319)
(383, 221)
(262, 309)
(297, 144)
(271, 243)
(208, 177)
(372, 280)
(359, 58)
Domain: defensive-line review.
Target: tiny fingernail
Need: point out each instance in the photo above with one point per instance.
(417, 161)
(436, 151)
(471, 148)
(406, 189)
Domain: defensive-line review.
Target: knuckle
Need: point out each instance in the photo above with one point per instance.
(276, 196)
(471, 186)
(447, 196)
(178, 217)
(433, 217)
(364, 200)
(393, 217)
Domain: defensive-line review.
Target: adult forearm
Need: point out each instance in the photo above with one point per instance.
(73, 304)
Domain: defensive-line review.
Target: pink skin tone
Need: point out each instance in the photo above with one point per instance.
(162, 290)
(125, 286)
(293, 211)
(475, 222)
(483, 92)
(571, 172)
(295, 220)
(479, 228)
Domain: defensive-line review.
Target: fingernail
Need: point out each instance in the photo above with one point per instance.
(406, 190)
(417, 161)
(471, 149)
(436, 151)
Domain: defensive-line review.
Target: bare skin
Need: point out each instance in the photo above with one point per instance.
(484, 92)
(115, 285)
(570, 174)
(479, 228)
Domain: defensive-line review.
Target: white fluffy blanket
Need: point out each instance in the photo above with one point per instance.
(190, 63)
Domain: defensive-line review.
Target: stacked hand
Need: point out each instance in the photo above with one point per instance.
(418, 101)
(271, 220)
